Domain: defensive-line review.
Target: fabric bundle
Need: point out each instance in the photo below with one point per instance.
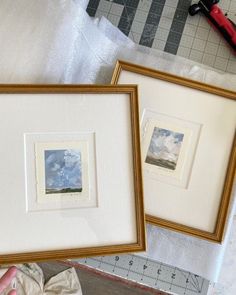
(30, 280)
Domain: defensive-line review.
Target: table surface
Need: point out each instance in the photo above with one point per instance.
(166, 25)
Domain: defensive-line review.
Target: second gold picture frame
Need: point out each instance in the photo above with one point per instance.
(188, 150)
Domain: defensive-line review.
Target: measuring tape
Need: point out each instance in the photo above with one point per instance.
(149, 273)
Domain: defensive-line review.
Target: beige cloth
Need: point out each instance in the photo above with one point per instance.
(30, 281)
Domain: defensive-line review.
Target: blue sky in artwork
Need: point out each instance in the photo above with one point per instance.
(63, 169)
(166, 133)
(165, 144)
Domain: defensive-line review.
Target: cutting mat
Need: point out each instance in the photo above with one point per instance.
(166, 25)
(149, 273)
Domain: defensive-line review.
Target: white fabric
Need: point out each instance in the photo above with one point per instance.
(193, 254)
(82, 3)
(227, 283)
(30, 280)
(52, 41)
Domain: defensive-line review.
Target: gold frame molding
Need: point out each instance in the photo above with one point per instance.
(218, 234)
(140, 245)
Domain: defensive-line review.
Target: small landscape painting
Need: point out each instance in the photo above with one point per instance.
(63, 171)
(164, 148)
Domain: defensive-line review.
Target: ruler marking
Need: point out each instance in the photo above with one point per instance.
(116, 260)
(187, 281)
(148, 276)
(99, 266)
(172, 278)
(195, 282)
(158, 273)
(192, 282)
(131, 262)
(110, 264)
(194, 289)
(202, 285)
(144, 268)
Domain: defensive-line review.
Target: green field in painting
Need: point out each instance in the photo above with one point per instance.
(161, 163)
(63, 191)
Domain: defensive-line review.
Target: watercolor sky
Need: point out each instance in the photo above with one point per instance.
(63, 169)
(165, 144)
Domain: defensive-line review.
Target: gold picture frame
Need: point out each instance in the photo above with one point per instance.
(23, 101)
(126, 72)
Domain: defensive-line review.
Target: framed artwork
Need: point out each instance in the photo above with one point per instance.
(188, 150)
(72, 181)
(64, 167)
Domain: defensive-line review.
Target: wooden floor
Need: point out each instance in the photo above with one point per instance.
(95, 284)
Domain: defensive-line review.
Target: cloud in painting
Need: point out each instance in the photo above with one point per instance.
(63, 171)
(164, 148)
